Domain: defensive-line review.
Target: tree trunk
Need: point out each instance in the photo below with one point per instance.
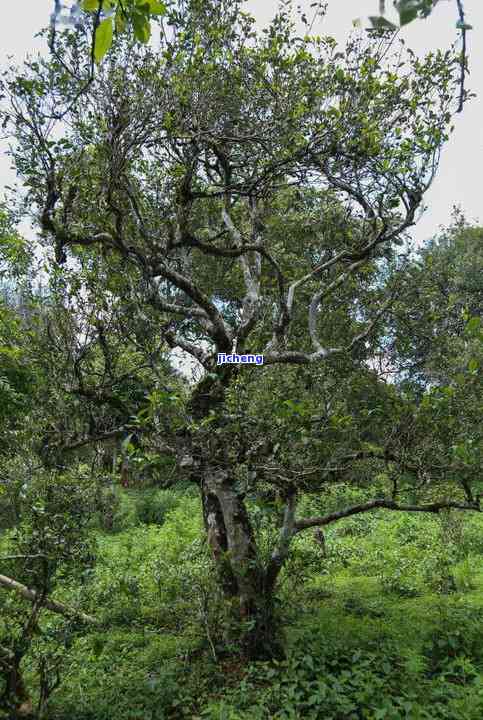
(246, 585)
(15, 697)
(242, 577)
(125, 472)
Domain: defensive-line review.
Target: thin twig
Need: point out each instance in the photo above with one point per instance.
(462, 26)
(90, 78)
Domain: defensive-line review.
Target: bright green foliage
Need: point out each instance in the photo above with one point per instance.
(112, 16)
(49, 547)
(15, 255)
(139, 13)
(18, 378)
(104, 37)
(358, 645)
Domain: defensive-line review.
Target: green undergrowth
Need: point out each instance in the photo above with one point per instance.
(386, 622)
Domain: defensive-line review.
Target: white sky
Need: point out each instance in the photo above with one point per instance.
(459, 179)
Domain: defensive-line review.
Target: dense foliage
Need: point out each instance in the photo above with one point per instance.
(386, 623)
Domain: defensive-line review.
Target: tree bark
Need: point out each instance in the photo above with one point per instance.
(15, 696)
(53, 605)
(243, 579)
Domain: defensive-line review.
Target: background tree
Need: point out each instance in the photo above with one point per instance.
(49, 545)
(444, 296)
(18, 378)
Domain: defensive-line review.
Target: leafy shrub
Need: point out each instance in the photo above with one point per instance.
(108, 507)
(320, 682)
(472, 536)
(152, 506)
(119, 687)
(466, 575)
(353, 651)
(457, 632)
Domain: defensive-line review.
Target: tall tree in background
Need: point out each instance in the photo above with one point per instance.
(245, 192)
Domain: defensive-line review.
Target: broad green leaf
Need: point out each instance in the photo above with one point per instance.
(104, 35)
(380, 23)
(473, 325)
(142, 28)
(120, 21)
(93, 5)
(89, 5)
(408, 11)
(473, 365)
(155, 7)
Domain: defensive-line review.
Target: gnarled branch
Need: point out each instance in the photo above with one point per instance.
(48, 603)
(435, 507)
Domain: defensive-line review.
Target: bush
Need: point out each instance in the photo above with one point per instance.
(318, 682)
(110, 687)
(152, 506)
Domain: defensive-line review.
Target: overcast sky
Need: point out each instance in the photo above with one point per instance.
(459, 179)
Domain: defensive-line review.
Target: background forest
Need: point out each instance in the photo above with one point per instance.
(182, 539)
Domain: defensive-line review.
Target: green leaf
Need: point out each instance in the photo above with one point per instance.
(372, 448)
(126, 443)
(120, 21)
(463, 26)
(142, 28)
(104, 35)
(291, 404)
(380, 713)
(380, 23)
(408, 11)
(473, 325)
(90, 5)
(473, 365)
(93, 5)
(156, 8)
